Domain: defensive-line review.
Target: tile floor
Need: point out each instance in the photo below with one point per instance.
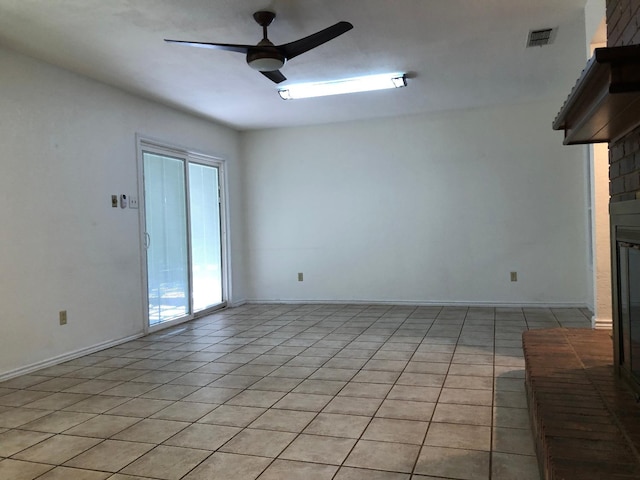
(314, 392)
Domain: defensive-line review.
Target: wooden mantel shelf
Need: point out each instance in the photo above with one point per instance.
(604, 105)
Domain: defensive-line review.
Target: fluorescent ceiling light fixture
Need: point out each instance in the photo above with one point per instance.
(348, 85)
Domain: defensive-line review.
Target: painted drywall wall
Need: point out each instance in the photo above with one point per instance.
(423, 209)
(68, 144)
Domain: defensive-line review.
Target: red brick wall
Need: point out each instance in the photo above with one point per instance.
(623, 28)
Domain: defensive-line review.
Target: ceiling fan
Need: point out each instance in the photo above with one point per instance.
(268, 58)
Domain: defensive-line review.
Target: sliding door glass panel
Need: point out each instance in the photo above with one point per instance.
(166, 230)
(206, 253)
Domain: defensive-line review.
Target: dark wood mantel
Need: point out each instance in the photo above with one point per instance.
(604, 105)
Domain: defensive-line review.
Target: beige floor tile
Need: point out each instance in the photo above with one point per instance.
(109, 456)
(427, 367)
(395, 457)
(350, 473)
(468, 382)
(18, 470)
(255, 370)
(464, 414)
(96, 404)
(385, 365)
(413, 393)
(57, 449)
(212, 395)
(435, 357)
(229, 466)
(510, 399)
(421, 379)
(263, 443)
(205, 437)
(318, 449)
(283, 420)
(22, 397)
(195, 379)
(232, 415)
(139, 407)
(337, 425)
(343, 374)
(57, 384)
(376, 376)
(66, 473)
(406, 410)
(57, 401)
(513, 440)
(320, 387)
(151, 431)
(365, 390)
(293, 372)
(169, 392)
(351, 361)
(394, 430)
(471, 370)
(185, 411)
(103, 426)
(471, 437)
(157, 377)
(16, 417)
(24, 381)
(291, 470)
(276, 384)
(464, 396)
(93, 386)
(511, 417)
(130, 389)
(454, 463)
(509, 385)
(14, 441)
(235, 381)
(58, 422)
(353, 406)
(303, 401)
(256, 398)
(505, 466)
(169, 463)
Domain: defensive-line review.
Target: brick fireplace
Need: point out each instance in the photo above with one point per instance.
(585, 416)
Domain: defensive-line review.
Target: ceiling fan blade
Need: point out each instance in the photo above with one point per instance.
(305, 44)
(218, 46)
(275, 76)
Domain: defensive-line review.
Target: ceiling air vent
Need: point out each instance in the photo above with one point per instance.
(539, 38)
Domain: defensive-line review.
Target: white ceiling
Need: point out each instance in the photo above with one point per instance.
(460, 53)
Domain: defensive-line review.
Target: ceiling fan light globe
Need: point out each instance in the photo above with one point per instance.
(266, 64)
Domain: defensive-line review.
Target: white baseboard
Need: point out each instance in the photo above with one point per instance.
(65, 357)
(421, 303)
(602, 323)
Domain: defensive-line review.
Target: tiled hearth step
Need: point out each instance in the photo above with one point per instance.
(586, 422)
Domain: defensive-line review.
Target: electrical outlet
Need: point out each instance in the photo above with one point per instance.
(300, 277)
(63, 317)
(133, 201)
(514, 276)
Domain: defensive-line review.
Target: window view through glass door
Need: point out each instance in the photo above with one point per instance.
(206, 256)
(183, 236)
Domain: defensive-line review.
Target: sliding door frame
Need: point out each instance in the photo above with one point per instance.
(159, 147)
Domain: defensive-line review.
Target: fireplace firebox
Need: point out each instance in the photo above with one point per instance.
(625, 244)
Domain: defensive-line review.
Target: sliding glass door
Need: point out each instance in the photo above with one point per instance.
(183, 235)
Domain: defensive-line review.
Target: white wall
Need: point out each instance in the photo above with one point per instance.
(418, 209)
(68, 143)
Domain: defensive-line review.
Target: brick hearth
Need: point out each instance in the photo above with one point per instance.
(586, 421)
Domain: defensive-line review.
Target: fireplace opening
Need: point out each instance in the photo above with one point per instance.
(625, 233)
